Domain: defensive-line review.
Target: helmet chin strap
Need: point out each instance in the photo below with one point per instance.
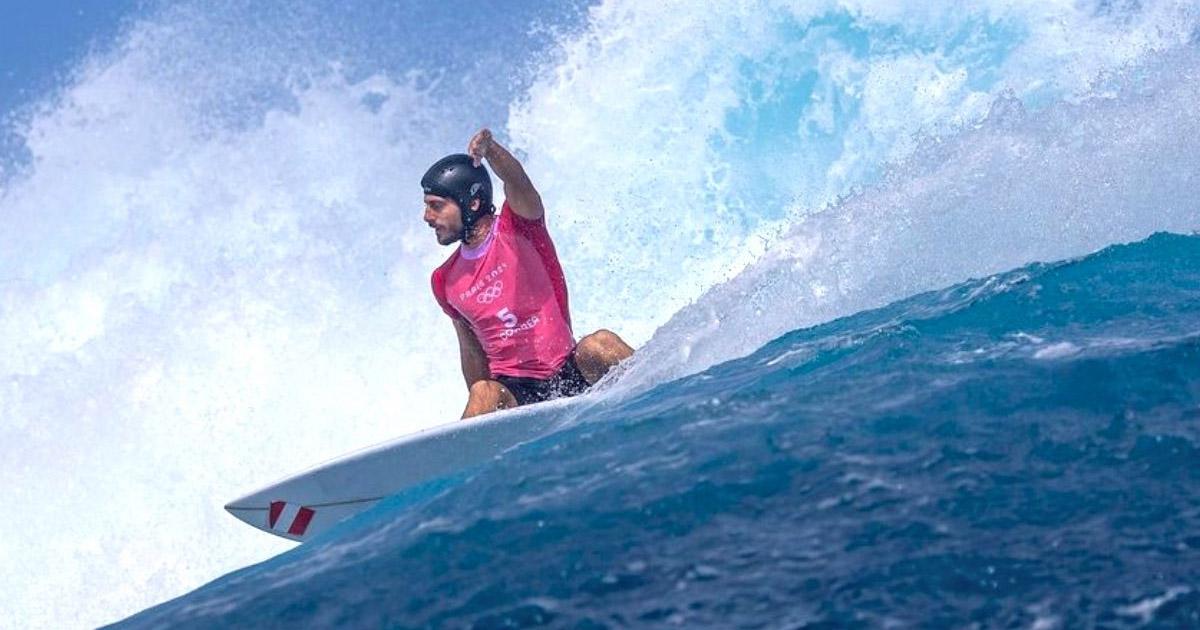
(469, 216)
(468, 221)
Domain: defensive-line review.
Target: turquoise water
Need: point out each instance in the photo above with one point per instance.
(1017, 451)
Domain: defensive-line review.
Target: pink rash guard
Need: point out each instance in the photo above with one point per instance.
(511, 291)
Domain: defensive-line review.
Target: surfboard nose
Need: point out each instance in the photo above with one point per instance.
(283, 518)
(255, 516)
(251, 510)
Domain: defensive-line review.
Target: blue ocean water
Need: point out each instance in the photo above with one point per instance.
(1016, 451)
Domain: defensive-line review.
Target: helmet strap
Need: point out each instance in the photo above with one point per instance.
(469, 217)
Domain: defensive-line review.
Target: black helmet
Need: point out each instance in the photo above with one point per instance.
(456, 177)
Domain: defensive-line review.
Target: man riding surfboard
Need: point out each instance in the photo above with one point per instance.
(503, 286)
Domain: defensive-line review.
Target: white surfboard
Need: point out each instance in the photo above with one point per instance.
(304, 505)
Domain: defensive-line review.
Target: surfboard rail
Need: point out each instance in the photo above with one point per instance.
(304, 505)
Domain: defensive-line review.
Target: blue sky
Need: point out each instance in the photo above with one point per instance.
(42, 39)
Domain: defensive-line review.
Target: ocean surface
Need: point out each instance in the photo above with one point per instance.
(911, 286)
(1018, 451)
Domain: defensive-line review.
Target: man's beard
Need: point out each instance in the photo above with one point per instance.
(449, 239)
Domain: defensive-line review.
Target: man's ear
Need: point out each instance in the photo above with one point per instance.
(475, 205)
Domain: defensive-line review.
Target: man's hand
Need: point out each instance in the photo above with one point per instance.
(522, 197)
(480, 145)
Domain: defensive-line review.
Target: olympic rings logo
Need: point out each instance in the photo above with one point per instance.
(489, 295)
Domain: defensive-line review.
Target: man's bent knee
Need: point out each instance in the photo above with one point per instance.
(486, 396)
(486, 389)
(602, 339)
(599, 352)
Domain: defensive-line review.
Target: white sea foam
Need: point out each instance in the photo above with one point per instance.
(1059, 350)
(1145, 609)
(211, 274)
(190, 310)
(679, 143)
(1019, 187)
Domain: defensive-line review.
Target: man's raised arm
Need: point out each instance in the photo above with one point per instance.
(522, 197)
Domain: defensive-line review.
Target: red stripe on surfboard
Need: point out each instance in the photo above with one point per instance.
(301, 522)
(276, 510)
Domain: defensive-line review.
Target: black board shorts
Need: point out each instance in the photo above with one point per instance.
(568, 381)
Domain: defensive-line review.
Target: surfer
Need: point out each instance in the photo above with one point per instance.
(504, 288)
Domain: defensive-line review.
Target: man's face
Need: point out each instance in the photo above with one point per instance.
(445, 217)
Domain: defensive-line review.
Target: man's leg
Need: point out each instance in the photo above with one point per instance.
(487, 396)
(598, 352)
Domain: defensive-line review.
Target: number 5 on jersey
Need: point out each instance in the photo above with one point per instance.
(510, 320)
